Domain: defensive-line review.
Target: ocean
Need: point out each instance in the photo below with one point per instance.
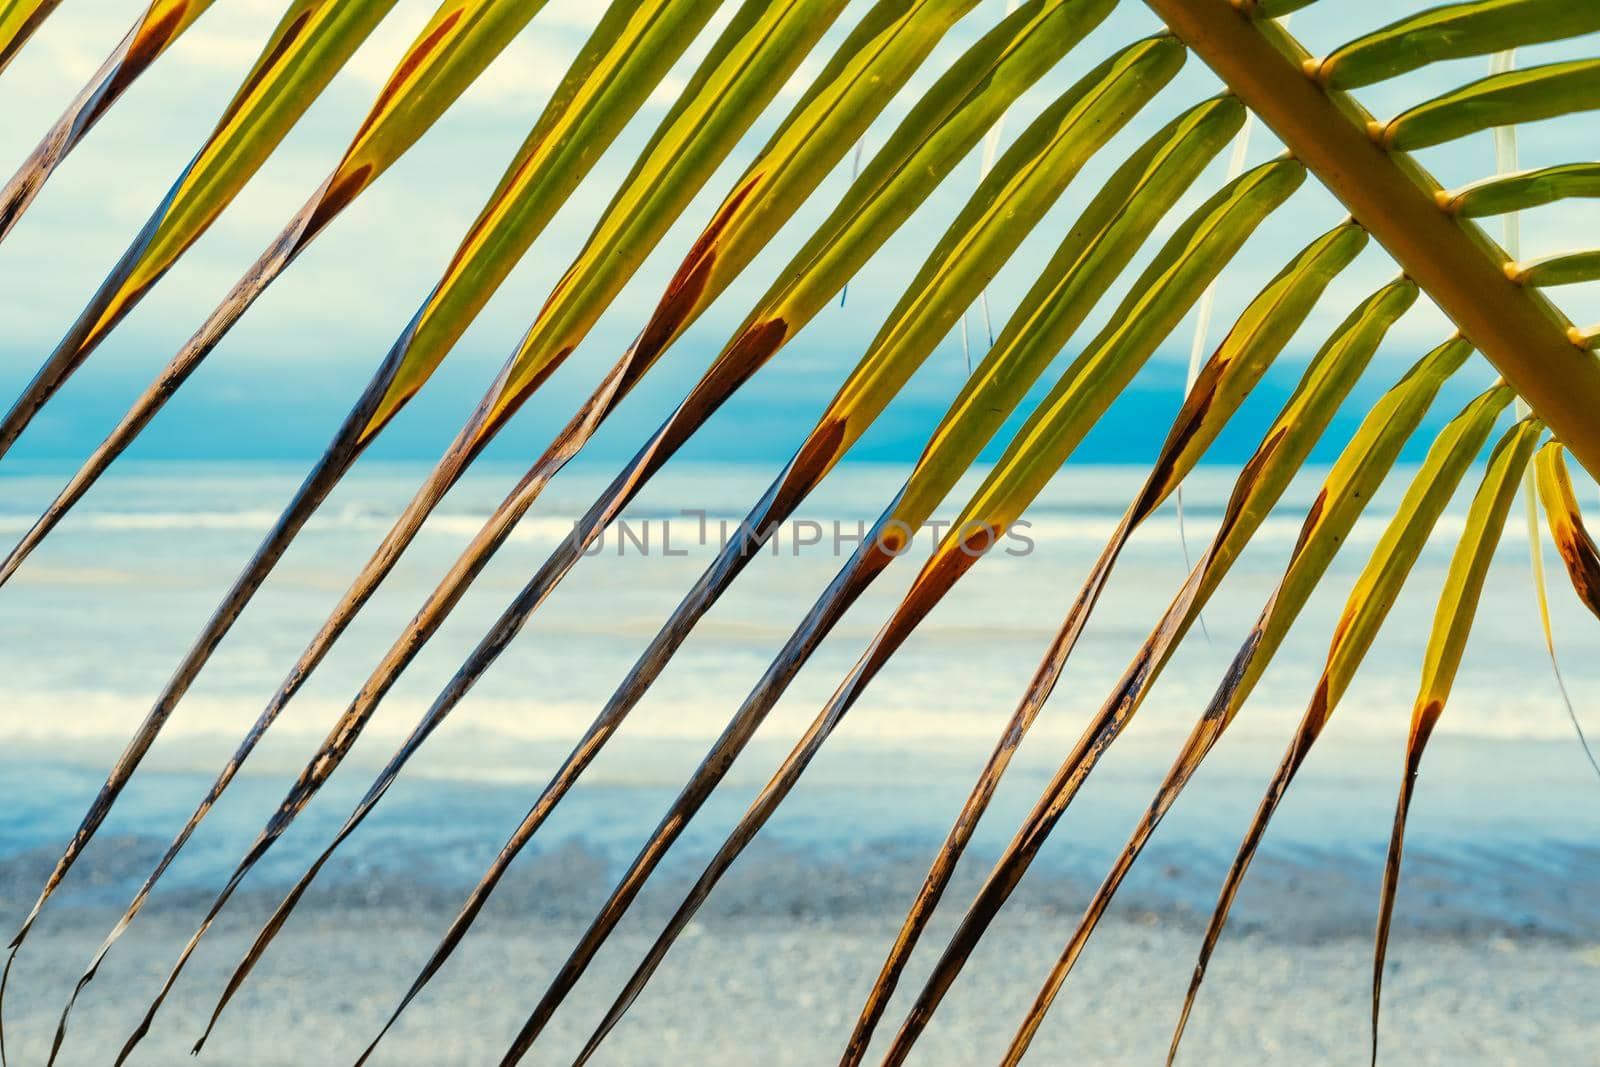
(1503, 833)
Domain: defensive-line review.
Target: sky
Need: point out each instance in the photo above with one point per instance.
(282, 380)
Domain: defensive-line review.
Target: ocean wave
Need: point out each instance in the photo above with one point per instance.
(100, 718)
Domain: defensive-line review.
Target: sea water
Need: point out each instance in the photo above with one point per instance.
(97, 619)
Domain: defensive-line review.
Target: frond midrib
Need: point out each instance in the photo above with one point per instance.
(1526, 338)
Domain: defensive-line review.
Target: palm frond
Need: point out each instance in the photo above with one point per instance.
(1499, 302)
(748, 64)
(312, 41)
(784, 174)
(919, 155)
(456, 45)
(622, 62)
(429, 77)
(629, 53)
(999, 68)
(1350, 486)
(1002, 211)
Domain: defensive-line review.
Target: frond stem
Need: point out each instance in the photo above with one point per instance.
(1526, 337)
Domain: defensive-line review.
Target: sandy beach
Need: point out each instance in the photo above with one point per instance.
(772, 974)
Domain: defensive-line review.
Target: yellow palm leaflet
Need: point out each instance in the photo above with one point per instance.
(1125, 210)
(630, 52)
(1547, 479)
(1508, 99)
(1452, 623)
(1000, 214)
(1350, 486)
(1260, 334)
(1159, 299)
(1453, 451)
(1565, 268)
(1567, 527)
(1325, 383)
(1454, 31)
(310, 44)
(18, 20)
(456, 45)
(1508, 193)
(1007, 205)
(453, 49)
(161, 24)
